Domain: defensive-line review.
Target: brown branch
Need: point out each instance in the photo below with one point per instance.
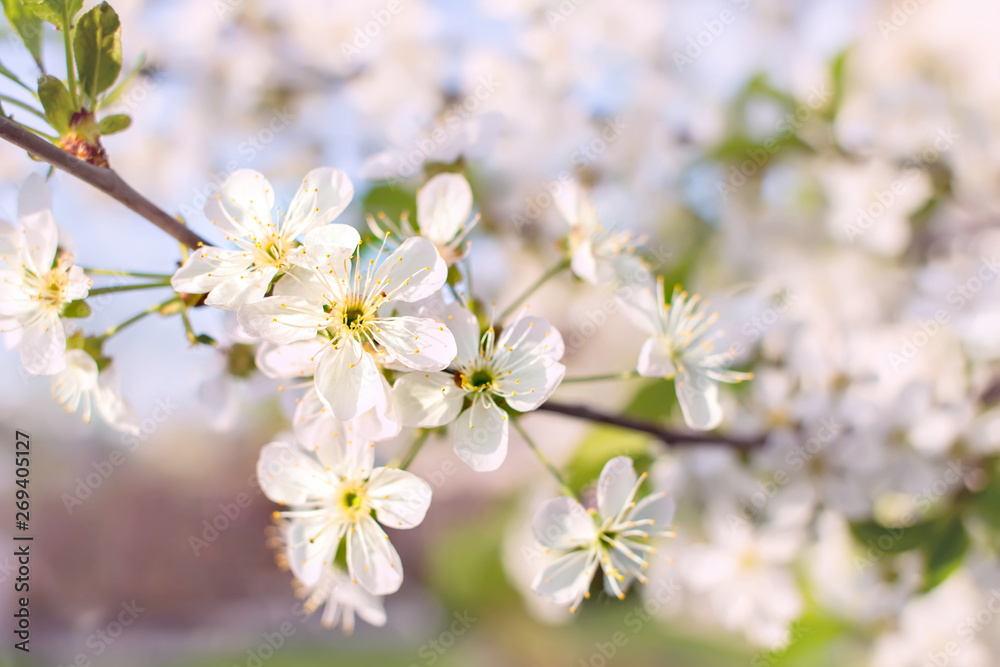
(665, 435)
(102, 178)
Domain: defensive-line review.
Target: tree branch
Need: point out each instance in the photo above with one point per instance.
(102, 178)
(665, 435)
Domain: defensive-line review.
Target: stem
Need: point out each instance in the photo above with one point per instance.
(415, 447)
(102, 178)
(126, 288)
(188, 329)
(133, 274)
(23, 105)
(544, 459)
(70, 69)
(665, 435)
(627, 375)
(135, 318)
(554, 271)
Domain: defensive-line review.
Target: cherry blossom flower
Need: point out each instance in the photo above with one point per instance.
(343, 601)
(681, 346)
(335, 496)
(347, 309)
(614, 536)
(520, 368)
(36, 285)
(444, 205)
(597, 255)
(80, 387)
(264, 248)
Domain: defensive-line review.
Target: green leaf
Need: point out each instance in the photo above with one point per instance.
(880, 539)
(114, 123)
(115, 93)
(205, 339)
(77, 308)
(56, 11)
(26, 23)
(602, 444)
(97, 47)
(57, 103)
(946, 553)
(986, 504)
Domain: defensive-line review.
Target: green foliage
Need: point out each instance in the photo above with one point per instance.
(392, 201)
(97, 47)
(114, 123)
(26, 24)
(57, 103)
(943, 541)
(56, 12)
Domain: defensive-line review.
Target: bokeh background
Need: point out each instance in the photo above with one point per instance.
(826, 171)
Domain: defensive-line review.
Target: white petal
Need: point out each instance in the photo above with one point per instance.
(348, 380)
(658, 507)
(698, 396)
(464, 326)
(416, 342)
(328, 247)
(247, 287)
(614, 485)
(532, 336)
(371, 558)
(443, 207)
(312, 546)
(43, 346)
(289, 476)
(380, 421)
(563, 523)
(413, 272)
(79, 284)
(282, 319)
(575, 206)
(641, 306)
(243, 205)
(655, 360)
(289, 361)
(584, 264)
(481, 435)
(208, 266)
(113, 408)
(531, 386)
(567, 579)
(323, 195)
(34, 209)
(345, 455)
(400, 498)
(427, 399)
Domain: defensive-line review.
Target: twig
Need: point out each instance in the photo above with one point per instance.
(105, 180)
(667, 436)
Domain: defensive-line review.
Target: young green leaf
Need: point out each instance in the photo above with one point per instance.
(56, 12)
(98, 49)
(26, 23)
(57, 103)
(114, 123)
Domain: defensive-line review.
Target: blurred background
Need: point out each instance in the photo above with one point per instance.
(825, 171)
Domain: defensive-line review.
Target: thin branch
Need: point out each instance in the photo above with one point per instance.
(665, 435)
(105, 180)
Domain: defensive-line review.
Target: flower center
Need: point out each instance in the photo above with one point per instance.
(270, 252)
(480, 379)
(52, 288)
(353, 500)
(354, 317)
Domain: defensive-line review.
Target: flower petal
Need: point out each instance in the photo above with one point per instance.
(400, 498)
(443, 207)
(247, 287)
(324, 194)
(563, 523)
(371, 558)
(282, 319)
(531, 337)
(658, 508)
(698, 396)
(427, 399)
(34, 209)
(348, 379)
(416, 342)
(242, 207)
(289, 476)
(531, 386)
(615, 485)
(289, 361)
(481, 435)
(43, 345)
(567, 579)
(655, 360)
(208, 266)
(413, 272)
(312, 546)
